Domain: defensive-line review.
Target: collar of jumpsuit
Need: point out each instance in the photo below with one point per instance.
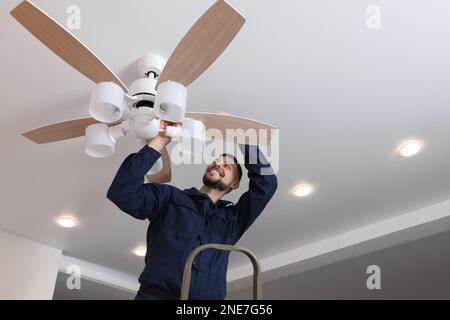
(209, 208)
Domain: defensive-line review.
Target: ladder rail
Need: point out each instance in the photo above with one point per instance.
(257, 285)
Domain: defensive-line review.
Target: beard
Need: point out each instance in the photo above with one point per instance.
(217, 185)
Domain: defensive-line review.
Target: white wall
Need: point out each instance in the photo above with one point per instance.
(28, 270)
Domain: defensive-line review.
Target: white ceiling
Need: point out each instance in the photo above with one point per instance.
(343, 97)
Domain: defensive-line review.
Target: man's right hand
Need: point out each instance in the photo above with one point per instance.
(161, 140)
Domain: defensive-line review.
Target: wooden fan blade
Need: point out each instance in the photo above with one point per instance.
(224, 122)
(60, 131)
(63, 43)
(203, 44)
(165, 175)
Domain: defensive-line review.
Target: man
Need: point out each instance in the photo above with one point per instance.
(180, 221)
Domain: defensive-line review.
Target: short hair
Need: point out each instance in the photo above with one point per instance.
(238, 165)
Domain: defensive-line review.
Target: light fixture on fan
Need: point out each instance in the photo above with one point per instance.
(193, 137)
(101, 139)
(107, 102)
(170, 104)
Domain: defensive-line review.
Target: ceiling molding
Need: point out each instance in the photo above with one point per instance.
(100, 274)
(380, 235)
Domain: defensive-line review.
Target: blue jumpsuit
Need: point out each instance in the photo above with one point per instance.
(181, 220)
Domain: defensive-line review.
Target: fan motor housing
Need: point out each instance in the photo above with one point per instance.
(151, 63)
(144, 91)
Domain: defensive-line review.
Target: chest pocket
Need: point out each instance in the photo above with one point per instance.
(184, 217)
(219, 229)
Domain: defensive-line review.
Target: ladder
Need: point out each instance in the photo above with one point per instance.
(257, 286)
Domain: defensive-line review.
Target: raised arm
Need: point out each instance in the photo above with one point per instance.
(262, 187)
(130, 194)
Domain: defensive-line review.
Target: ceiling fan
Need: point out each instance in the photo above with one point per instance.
(160, 93)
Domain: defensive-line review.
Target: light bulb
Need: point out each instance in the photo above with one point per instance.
(67, 222)
(302, 190)
(409, 149)
(140, 252)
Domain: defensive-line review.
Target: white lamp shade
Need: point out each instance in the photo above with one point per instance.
(193, 136)
(170, 102)
(146, 129)
(173, 132)
(107, 102)
(157, 167)
(99, 143)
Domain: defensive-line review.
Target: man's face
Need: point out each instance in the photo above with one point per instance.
(221, 174)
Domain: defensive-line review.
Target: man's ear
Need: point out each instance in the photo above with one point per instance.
(235, 185)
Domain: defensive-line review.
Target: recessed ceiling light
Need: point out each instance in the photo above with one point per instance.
(409, 149)
(67, 222)
(302, 190)
(140, 252)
